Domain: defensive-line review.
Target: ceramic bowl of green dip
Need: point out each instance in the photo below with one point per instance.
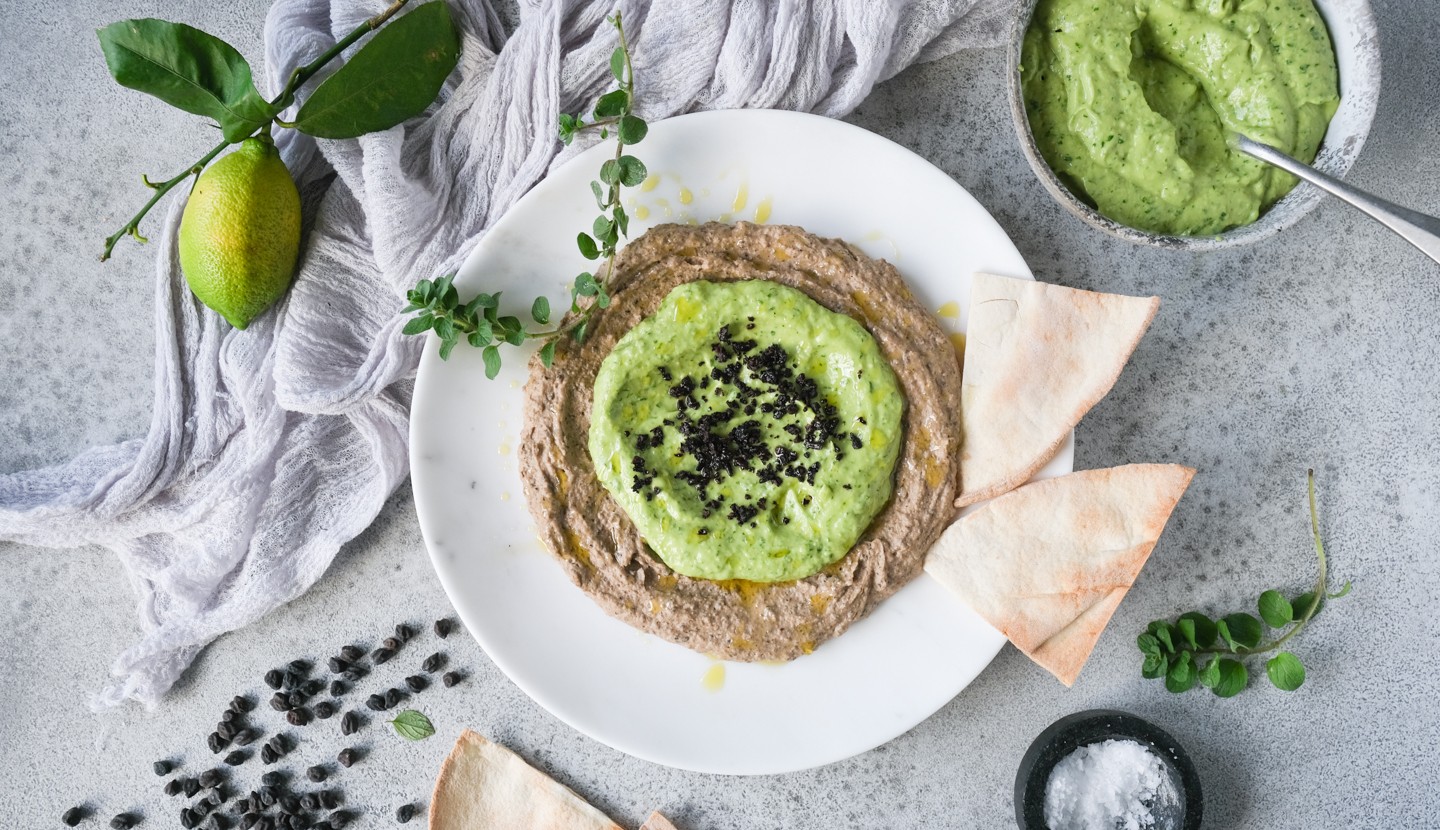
(1210, 200)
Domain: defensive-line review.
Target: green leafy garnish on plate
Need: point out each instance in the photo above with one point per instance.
(478, 321)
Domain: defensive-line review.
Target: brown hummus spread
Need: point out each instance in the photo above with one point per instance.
(599, 546)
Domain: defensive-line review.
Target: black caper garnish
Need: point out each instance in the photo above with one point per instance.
(72, 816)
(274, 678)
(405, 813)
(348, 756)
(443, 627)
(337, 688)
(349, 724)
(434, 662)
(451, 678)
(324, 709)
(417, 682)
(404, 632)
(380, 655)
(352, 653)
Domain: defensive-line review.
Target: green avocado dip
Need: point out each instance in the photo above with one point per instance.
(747, 431)
(1131, 102)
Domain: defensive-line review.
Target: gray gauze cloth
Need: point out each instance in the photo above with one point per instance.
(270, 448)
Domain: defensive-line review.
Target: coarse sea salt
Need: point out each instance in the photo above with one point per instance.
(1111, 785)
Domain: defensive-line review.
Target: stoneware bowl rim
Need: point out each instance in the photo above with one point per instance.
(1091, 726)
(1357, 47)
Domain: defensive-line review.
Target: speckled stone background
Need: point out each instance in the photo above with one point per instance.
(1319, 348)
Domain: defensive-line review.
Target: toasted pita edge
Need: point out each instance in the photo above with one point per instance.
(657, 822)
(448, 785)
(1023, 469)
(1065, 652)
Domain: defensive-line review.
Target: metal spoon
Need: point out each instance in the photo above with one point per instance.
(1418, 229)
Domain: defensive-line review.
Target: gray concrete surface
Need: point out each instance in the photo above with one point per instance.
(1318, 348)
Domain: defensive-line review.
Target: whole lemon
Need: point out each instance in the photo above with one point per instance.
(240, 233)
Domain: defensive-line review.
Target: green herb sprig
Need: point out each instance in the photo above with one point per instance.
(1178, 651)
(478, 321)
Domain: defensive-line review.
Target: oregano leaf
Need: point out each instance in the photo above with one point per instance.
(1275, 609)
(1204, 628)
(631, 130)
(540, 310)
(412, 725)
(1244, 630)
(1286, 671)
(1233, 677)
(491, 356)
(617, 64)
(419, 324)
(547, 353)
(612, 103)
(1209, 675)
(1182, 675)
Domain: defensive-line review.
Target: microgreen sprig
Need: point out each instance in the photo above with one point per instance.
(1178, 651)
(478, 321)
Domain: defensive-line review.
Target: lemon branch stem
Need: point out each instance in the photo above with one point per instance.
(280, 102)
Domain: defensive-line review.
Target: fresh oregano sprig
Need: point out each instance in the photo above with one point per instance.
(477, 322)
(1178, 651)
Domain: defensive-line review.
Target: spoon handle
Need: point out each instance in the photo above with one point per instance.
(1418, 229)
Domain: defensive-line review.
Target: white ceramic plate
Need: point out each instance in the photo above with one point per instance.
(633, 691)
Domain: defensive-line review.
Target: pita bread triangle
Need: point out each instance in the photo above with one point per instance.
(1048, 564)
(485, 785)
(657, 822)
(1037, 358)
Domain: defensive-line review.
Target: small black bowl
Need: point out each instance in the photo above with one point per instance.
(1093, 726)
